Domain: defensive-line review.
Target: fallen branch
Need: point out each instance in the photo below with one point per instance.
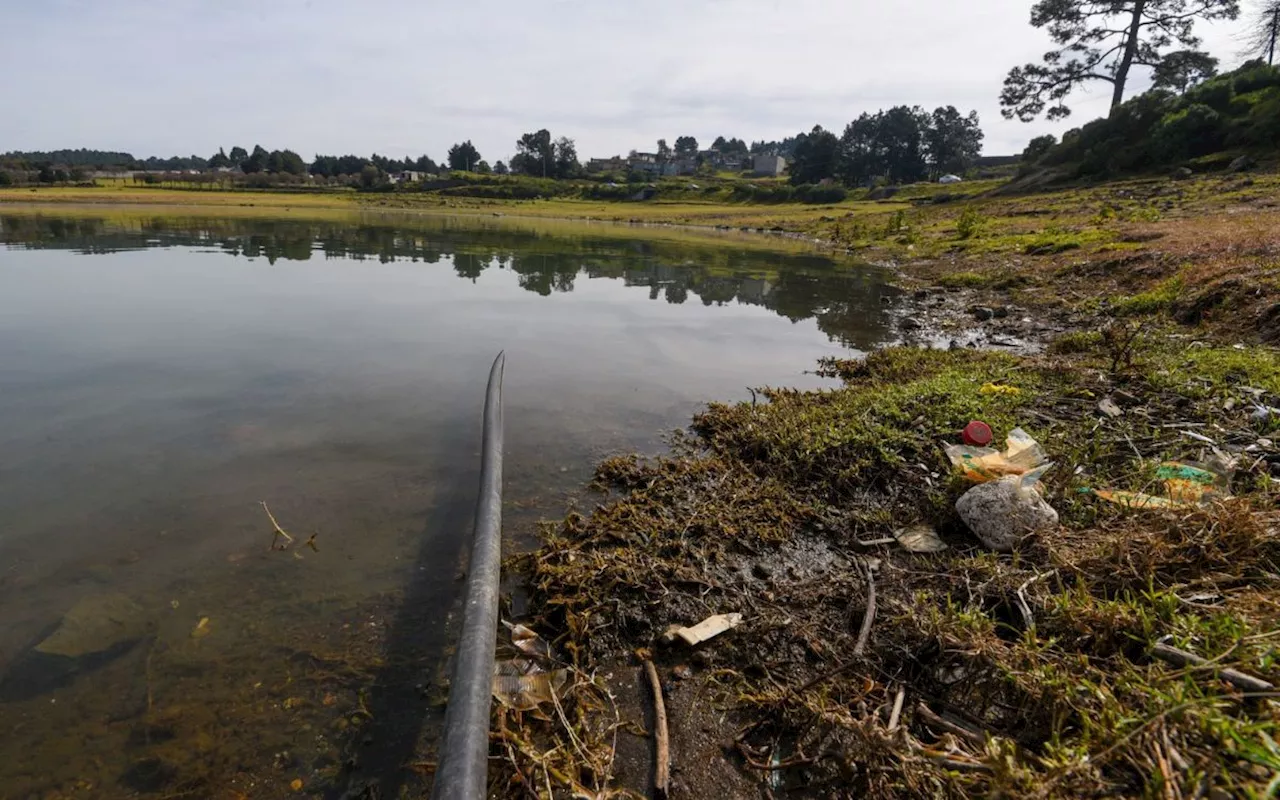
(662, 764)
(1181, 658)
(864, 634)
(970, 736)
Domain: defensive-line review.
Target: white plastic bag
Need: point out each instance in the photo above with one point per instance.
(1002, 512)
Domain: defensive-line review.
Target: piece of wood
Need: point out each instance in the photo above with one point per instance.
(662, 758)
(1181, 658)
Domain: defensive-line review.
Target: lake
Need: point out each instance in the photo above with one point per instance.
(164, 375)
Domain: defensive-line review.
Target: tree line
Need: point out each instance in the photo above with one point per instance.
(901, 145)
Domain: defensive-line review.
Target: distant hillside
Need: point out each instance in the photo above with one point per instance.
(1208, 126)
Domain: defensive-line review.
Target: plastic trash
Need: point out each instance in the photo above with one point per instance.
(709, 628)
(1001, 512)
(920, 539)
(1022, 454)
(999, 388)
(977, 434)
(1185, 484)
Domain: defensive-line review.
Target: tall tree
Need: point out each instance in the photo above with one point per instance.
(464, 156)
(686, 146)
(219, 160)
(535, 154)
(257, 160)
(1181, 70)
(1264, 31)
(566, 158)
(1102, 40)
(718, 144)
(664, 150)
(500, 168)
(292, 163)
(954, 141)
(815, 157)
(238, 155)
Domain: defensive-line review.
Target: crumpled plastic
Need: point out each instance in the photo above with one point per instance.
(524, 683)
(1186, 484)
(1022, 454)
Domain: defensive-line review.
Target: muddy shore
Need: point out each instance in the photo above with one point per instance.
(1042, 672)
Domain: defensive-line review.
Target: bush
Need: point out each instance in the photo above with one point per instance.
(809, 193)
(1159, 129)
(970, 222)
(1194, 131)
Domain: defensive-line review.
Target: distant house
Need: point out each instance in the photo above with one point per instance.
(649, 164)
(768, 165)
(406, 176)
(598, 165)
(686, 166)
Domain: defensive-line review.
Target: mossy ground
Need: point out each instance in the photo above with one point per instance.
(1061, 699)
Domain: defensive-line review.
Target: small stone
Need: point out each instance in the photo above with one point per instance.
(762, 571)
(982, 313)
(682, 672)
(910, 324)
(1242, 163)
(920, 294)
(1000, 312)
(1182, 173)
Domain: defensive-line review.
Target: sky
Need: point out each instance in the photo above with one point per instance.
(407, 77)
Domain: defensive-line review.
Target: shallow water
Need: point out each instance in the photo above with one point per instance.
(160, 376)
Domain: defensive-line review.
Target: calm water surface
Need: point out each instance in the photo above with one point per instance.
(160, 377)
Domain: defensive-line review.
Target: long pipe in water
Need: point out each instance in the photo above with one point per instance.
(464, 749)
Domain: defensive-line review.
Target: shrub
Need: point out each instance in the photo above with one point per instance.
(1194, 131)
(970, 222)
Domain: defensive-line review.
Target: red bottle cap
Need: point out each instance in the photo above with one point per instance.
(977, 433)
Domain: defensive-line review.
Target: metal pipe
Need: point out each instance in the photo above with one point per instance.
(464, 749)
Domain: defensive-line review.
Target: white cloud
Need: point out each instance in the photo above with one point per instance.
(403, 77)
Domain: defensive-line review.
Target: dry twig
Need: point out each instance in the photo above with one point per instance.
(864, 634)
(1181, 658)
(288, 540)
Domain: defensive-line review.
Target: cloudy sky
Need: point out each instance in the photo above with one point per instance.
(404, 77)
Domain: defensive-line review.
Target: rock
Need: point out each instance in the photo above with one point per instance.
(762, 571)
(1182, 173)
(1001, 513)
(682, 672)
(1242, 163)
(982, 313)
(1001, 312)
(94, 625)
(920, 294)
(910, 324)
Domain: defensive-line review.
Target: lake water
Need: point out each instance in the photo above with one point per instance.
(162, 376)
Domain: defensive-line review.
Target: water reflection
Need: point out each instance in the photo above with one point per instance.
(153, 392)
(847, 304)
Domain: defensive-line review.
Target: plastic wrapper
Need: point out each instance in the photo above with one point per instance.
(1022, 454)
(1185, 484)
